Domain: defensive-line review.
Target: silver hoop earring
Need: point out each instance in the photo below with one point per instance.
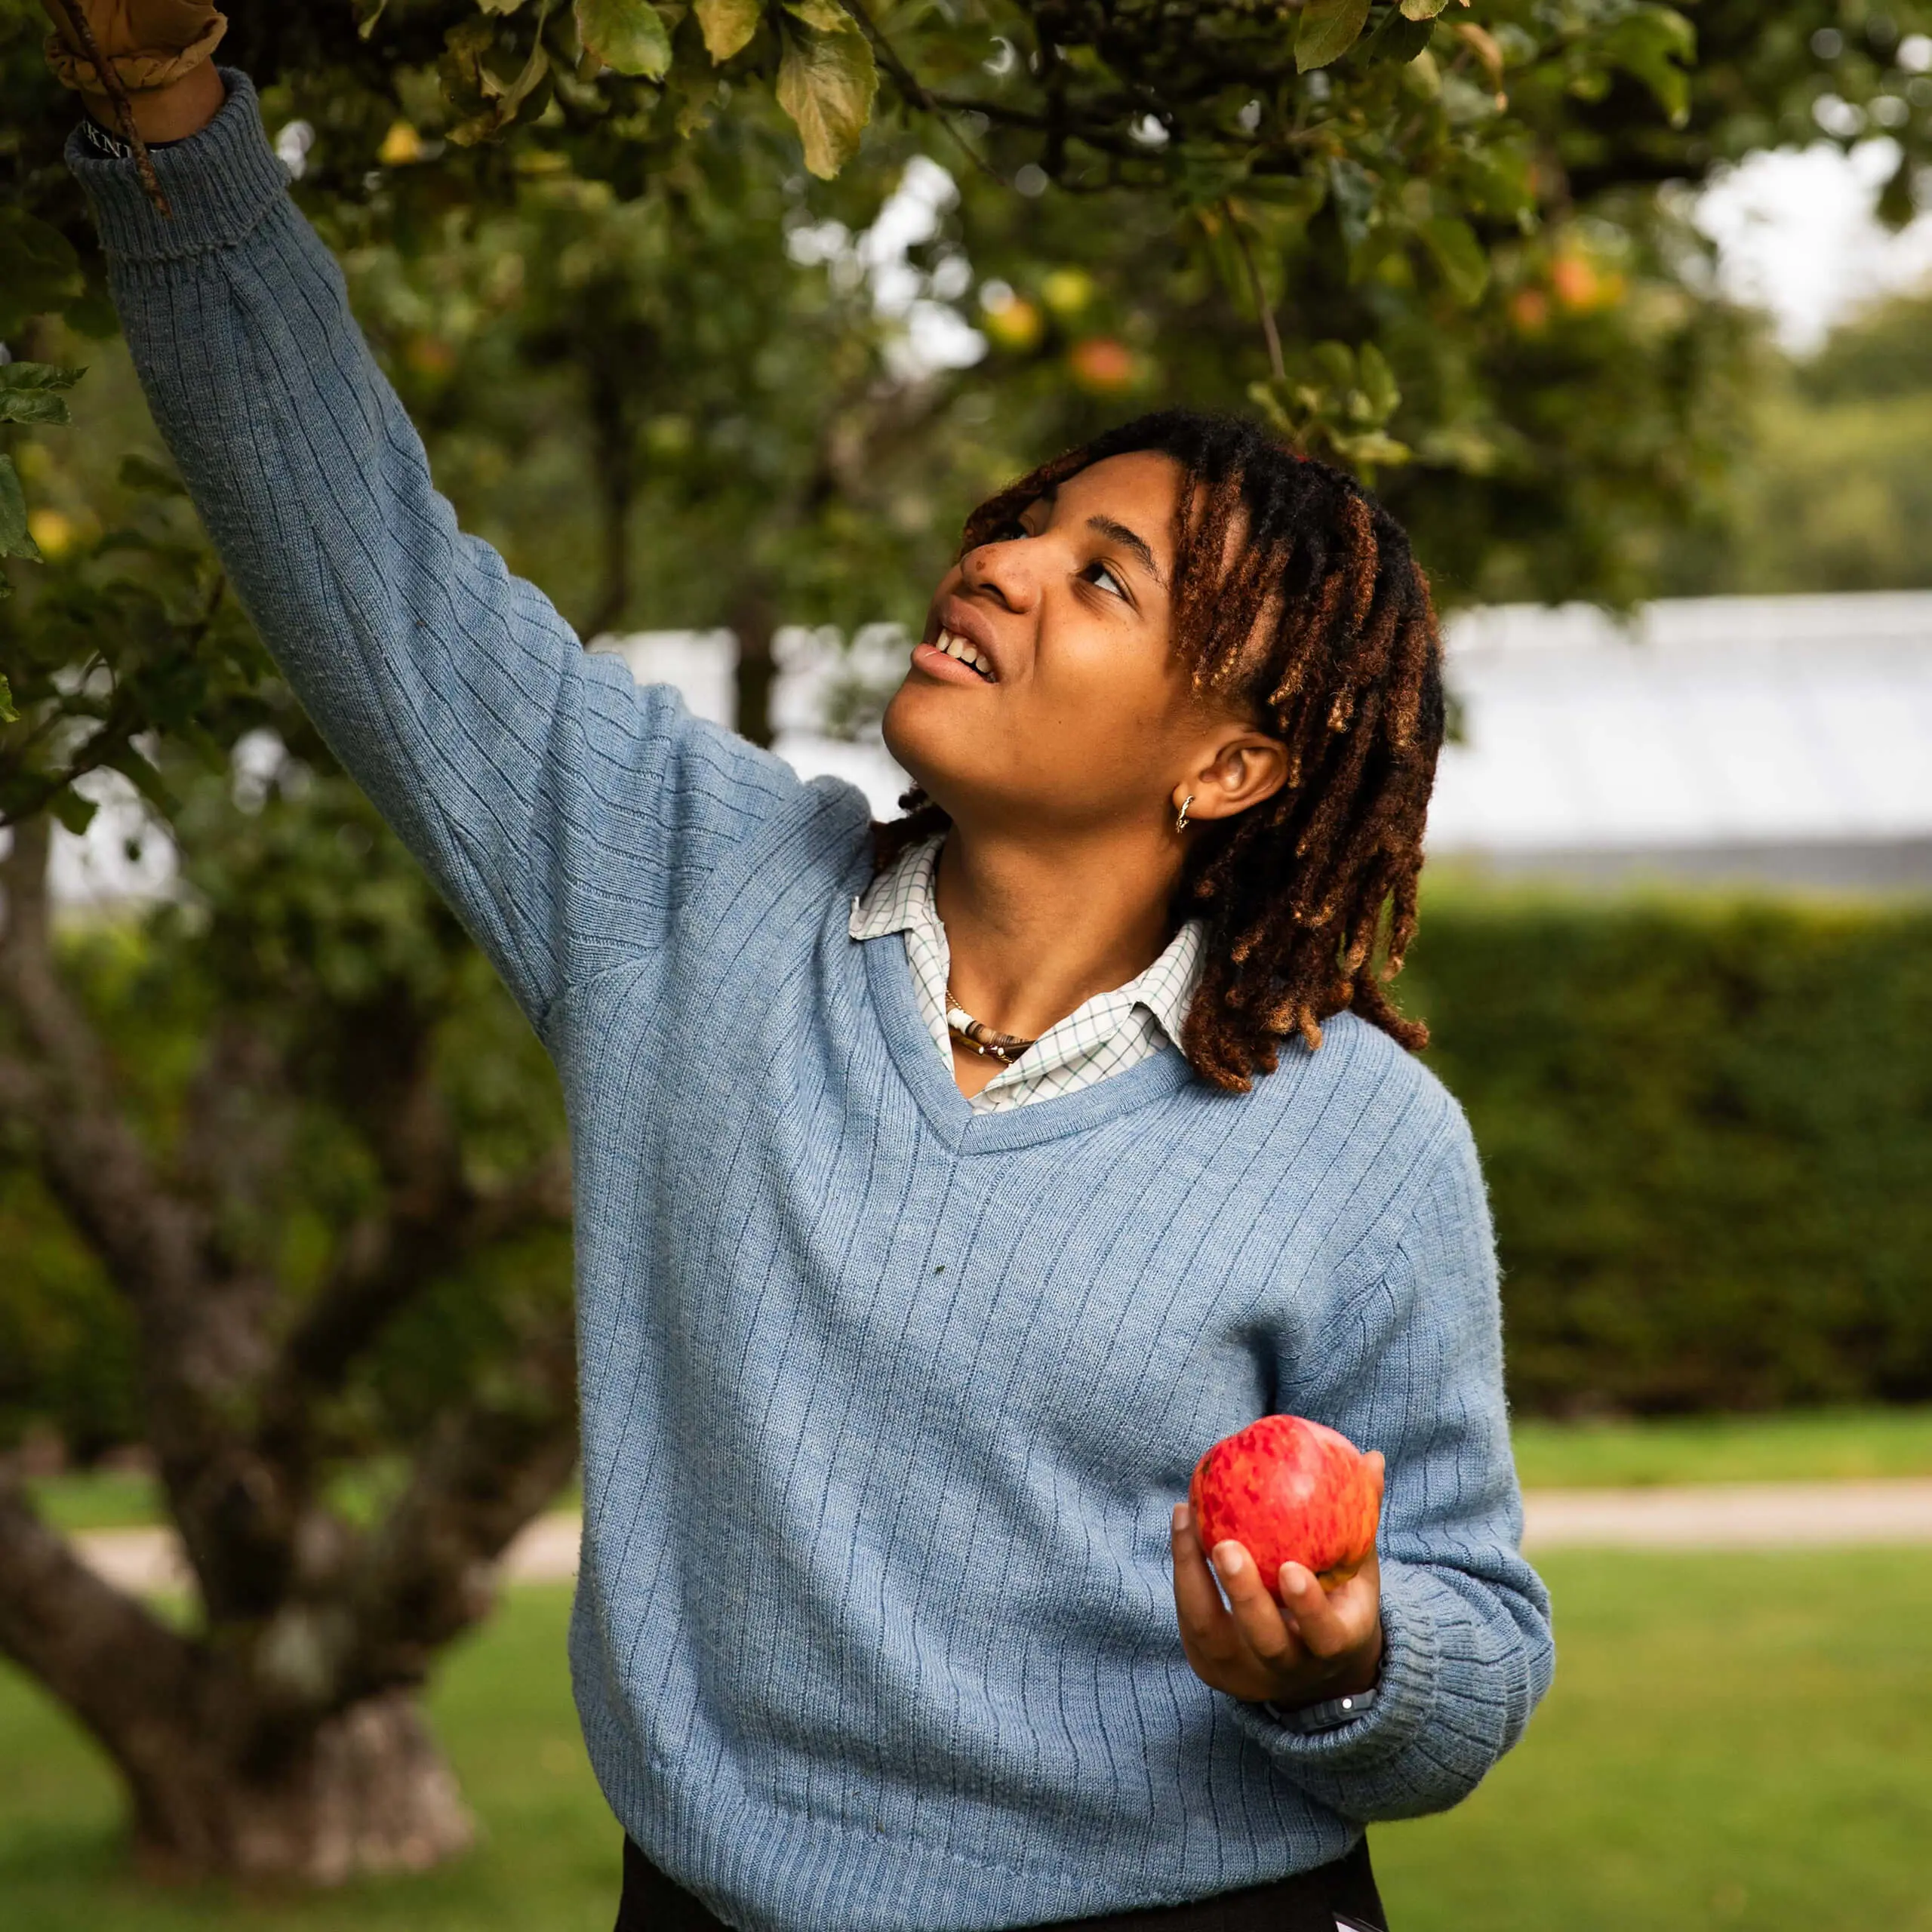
(1180, 816)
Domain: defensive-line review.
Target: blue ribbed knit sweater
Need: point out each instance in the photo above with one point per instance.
(885, 1404)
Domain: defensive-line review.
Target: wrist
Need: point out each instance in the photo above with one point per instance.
(1365, 1667)
(1353, 1675)
(172, 113)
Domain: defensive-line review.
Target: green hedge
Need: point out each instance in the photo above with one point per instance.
(1707, 1126)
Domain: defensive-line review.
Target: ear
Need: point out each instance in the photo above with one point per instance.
(1241, 768)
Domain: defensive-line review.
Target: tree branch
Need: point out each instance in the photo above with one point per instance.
(97, 1169)
(385, 1261)
(915, 90)
(614, 462)
(110, 84)
(1261, 304)
(428, 1572)
(124, 1674)
(200, 1327)
(233, 1146)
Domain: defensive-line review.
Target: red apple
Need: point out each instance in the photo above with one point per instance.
(1287, 1491)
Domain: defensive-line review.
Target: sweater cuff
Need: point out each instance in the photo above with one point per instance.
(1405, 1693)
(220, 183)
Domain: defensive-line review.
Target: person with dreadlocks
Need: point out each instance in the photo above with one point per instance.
(943, 1189)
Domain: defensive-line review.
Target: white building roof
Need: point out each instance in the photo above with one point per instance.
(1698, 725)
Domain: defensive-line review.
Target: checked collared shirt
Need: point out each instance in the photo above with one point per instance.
(1110, 1033)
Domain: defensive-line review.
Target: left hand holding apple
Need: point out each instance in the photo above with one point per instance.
(1312, 1645)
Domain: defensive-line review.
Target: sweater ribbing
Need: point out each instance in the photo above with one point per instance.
(885, 1402)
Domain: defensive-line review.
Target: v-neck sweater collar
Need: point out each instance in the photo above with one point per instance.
(946, 1110)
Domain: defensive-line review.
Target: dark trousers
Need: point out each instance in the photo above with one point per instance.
(1340, 1897)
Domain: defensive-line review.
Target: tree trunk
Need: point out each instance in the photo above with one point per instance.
(613, 453)
(369, 1792)
(754, 625)
(222, 1784)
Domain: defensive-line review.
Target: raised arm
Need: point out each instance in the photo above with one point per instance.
(563, 811)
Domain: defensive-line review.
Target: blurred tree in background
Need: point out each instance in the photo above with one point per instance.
(280, 1137)
(1834, 490)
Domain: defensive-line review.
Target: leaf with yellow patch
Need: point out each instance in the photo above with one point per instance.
(727, 25)
(826, 83)
(826, 15)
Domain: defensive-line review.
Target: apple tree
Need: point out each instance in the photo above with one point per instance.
(614, 253)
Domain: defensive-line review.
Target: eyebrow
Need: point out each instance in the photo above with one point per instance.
(1128, 541)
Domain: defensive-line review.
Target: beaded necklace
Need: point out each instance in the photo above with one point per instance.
(987, 1042)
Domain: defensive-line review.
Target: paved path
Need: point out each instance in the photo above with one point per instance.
(1756, 1515)
(1735, 1515)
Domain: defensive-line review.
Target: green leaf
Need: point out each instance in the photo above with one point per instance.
(38, 375)
(16, 540)
(1458, 254)
(8, 715)
(826, 83)
(34, 410)
(27, 392)
(1422, 10)
(1266, 398)
(1335, 363)
(1396, 40)
(727, 25)
(1649, 46)
(1326, 30)
(144, 776)
(1371, 446)
(826, 15)
(1378, 383)
(1898, 199)
(73, 811)
(368, 13)
(627, 35)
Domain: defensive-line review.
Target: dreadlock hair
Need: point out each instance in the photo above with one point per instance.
(1295, 599)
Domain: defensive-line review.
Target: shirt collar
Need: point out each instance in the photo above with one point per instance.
(902, 897)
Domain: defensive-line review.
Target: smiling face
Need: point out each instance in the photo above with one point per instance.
(1046, 691)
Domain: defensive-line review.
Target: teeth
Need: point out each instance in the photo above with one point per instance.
(958, 647)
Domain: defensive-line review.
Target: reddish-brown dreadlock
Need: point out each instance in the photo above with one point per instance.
(1295, 599)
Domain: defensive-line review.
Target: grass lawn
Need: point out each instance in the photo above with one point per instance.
(97, 1500)
(1736, 1740)
(1799, 1445)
